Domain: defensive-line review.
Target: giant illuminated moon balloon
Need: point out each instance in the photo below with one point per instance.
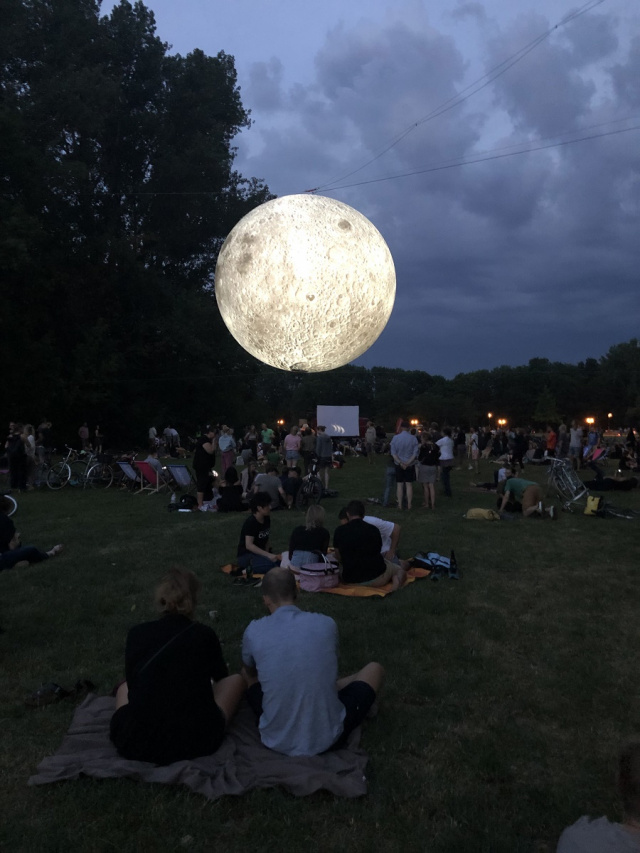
(305, 283)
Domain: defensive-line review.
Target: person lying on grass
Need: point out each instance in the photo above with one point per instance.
(12, 552)
(291, 670)
(616, 483)
(358, 547)
(528, 494)
(253, 547)
(601, 835)
(178, 698)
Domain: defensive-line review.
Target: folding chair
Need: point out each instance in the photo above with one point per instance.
(151, 480)
(131, 478)
(181, 476)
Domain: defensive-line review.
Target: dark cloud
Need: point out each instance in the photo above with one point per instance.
(498, 262)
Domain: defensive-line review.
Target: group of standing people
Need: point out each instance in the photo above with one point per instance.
(24, 447)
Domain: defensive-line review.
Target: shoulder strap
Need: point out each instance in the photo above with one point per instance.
(162, 648)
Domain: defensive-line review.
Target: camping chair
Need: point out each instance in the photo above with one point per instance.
(181, 476)
(151, 480)
(130, 478)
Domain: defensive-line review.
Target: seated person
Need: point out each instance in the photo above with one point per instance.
(617, 483)
(269, 482)
(307, 541)
(358, 547)
(601, 835)
(248, 477)
(253, 547)
(178, 698)
(230, 499)
(528, 494)
(12, 552)
(389, 531)
(302, 706)
(155, 463)
(291, 483)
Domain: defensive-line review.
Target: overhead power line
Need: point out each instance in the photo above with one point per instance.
(466, 93)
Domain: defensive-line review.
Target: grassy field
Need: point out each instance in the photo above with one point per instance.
(508, 693)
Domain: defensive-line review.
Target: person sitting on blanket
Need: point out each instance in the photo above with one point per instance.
(526, 493)
(291, 670)
(178, 698)
(601, 835)
(358, 547)
(390, 533)
(307, 541)
(12, 552)
(230, 499)
(253, 547)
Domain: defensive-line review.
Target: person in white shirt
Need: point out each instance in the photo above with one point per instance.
(446, 446)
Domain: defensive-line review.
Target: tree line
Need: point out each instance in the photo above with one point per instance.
(118, 190)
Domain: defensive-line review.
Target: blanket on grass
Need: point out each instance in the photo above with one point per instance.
(241, 764)
(356, 591)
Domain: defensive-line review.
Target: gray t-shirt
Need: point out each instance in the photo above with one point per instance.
(270, 484)
(296, 655)
(598, 836)
(404, 446)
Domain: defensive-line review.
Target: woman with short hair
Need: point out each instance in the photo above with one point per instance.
(178, 698)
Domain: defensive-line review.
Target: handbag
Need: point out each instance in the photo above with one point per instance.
(314, 577)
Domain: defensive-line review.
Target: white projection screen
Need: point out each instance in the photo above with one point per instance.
(340, 421)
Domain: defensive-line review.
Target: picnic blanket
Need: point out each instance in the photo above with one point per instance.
(241, 764)
(355, 590)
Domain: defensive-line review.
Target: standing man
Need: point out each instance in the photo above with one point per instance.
(83, 434)
(370, 441)
(404, 450)
(291, 669)
(267, 435)
(324, 452)
(204, 459)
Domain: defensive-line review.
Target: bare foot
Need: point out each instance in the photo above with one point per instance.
(398, 580)
(55, 551)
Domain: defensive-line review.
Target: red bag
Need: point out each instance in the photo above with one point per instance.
(316, 576)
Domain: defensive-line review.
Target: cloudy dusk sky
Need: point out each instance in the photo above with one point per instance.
(498, 261)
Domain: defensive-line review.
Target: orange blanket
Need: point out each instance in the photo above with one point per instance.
(355, 591)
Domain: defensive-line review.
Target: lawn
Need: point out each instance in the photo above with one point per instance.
(507, 695)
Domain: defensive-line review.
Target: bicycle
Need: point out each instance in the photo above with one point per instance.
(311, 489)
(89, 472)
(565, 481)
(59, 474)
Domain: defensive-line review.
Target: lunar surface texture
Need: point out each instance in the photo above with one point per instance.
(305, 283)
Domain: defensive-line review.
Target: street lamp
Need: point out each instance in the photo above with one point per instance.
(502, 422)
(590, 421)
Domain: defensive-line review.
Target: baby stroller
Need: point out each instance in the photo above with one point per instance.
(566, 483)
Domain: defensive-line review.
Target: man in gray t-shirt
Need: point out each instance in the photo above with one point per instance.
(291, 668)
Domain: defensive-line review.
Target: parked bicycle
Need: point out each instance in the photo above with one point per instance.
(311, 489)
(87, 472)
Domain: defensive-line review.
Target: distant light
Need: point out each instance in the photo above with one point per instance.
(414, 422)
(489, 414)
(610, 414)
(502, 421)
(280, 422)
(590, 420)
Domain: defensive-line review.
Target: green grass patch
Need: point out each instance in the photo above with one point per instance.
(507, 696)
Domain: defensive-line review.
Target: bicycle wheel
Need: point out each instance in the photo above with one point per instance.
(100, 476)
(58, 476)
(315, 490)
(78, 474)
(40, 474)
(12, 501)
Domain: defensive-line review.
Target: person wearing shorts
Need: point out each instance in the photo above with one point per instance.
(303, 708)
(527, 493)
(404, 449)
